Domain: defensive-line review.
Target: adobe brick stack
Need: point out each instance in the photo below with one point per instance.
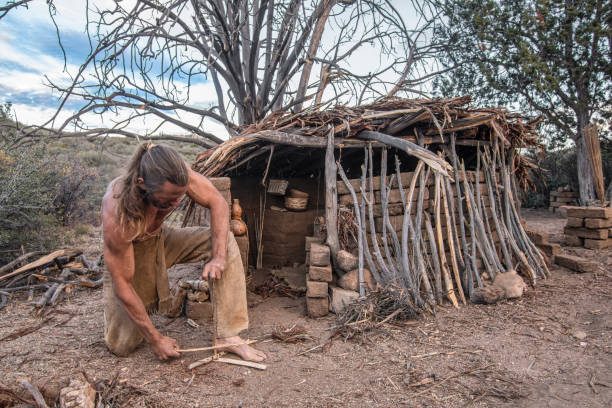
(590, 227)
(560, 199)
(317, 281)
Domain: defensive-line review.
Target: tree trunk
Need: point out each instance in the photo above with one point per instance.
(586, 186)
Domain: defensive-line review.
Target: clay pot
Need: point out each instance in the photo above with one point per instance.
(238, 227)
(236, 209)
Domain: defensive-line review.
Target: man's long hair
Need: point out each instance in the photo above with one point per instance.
(155, 164)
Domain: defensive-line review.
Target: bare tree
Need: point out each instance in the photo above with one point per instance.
(259, 55)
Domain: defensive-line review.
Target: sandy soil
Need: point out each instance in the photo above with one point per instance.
(520, 353)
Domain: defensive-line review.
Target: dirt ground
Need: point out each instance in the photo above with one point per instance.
(519, 353)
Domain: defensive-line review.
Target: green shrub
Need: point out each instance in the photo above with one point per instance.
(39, 193)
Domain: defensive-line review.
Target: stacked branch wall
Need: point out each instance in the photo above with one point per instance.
(395, 209)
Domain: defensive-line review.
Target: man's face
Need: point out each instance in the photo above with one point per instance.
(169, 196)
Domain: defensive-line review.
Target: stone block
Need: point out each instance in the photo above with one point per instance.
(549, 249)
(598, 243)
(587, 233)
(575, 263)
(316, 289)
(561, 211)
(350, 280)
(595, 223)
(575, 222)
(570, 194)
(537, 238)
(310, 240)
(319, 255)
(572, 240)
(317, 307)
(199, 311)
(320, 273)
(589, 212)
(340, 298)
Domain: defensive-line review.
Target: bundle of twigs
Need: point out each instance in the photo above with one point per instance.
(114, 392)
(293, 334)
(275, 285)
(385, 305)
(347, 229)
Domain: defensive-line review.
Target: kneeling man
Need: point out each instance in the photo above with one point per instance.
(138, 249)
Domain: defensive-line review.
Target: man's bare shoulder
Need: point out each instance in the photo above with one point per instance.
(109, 202)
(110, 218)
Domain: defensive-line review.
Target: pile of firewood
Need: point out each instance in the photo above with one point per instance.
(53, 275)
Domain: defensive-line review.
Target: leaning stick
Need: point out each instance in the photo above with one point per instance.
(370, 203)
(451, 247)
(191, 350)
(450, 293)
(366, 249)
(435, 258)
(470, 212)
(453, 157)
(417, 267)
(357, 217)
(384, 198)
(389, 227)
(407, 202)
(486, 245)
(496, 218)
(419, 238)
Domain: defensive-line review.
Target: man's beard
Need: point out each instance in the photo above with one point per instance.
(148, 197)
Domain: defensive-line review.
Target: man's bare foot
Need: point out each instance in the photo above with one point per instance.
(245, 351)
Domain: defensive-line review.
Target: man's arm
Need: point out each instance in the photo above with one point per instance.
(119, 259)
(201, 190)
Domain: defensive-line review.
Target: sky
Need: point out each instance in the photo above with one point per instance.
(30, 57)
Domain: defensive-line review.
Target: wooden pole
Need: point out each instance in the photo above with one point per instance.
(331, 198)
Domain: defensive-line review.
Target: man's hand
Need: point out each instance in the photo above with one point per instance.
(165, 348)
(213, 269)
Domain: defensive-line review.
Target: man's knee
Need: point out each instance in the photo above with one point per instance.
(122, 349)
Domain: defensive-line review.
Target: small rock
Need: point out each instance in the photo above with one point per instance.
(78, 394)
(340, 298)
(347, 261)
(580, 335)
(350, 280)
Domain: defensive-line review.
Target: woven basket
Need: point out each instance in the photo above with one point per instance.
(296, 203)
(277, 187)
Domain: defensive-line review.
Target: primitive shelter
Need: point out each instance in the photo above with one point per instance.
(422, 155)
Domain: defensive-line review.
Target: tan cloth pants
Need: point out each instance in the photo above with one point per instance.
(152, 257)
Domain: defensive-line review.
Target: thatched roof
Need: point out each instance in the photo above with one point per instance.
(428, 121)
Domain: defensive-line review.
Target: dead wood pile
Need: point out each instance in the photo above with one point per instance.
(54, 275)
